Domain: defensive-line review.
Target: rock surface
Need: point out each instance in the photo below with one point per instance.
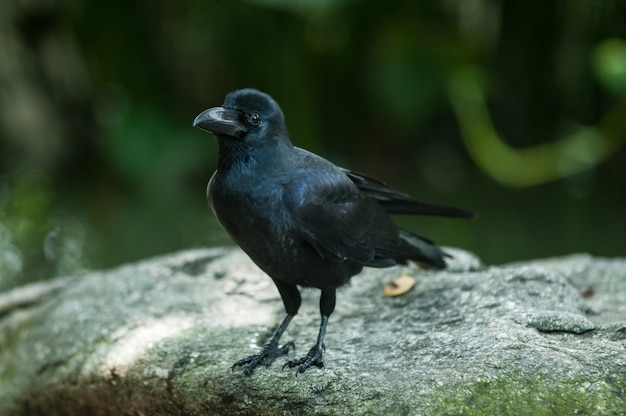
(159, 337)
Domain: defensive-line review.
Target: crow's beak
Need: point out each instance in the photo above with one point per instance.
(221, 121)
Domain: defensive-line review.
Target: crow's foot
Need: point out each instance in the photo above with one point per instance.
(266, 357)
(313, 358)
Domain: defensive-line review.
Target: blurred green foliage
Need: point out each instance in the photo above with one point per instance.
(563, 157)
(515, 109)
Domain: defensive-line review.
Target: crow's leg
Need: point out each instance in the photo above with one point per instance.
(271, 351)
(314, 357)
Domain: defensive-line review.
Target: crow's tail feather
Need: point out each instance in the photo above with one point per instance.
(421, 250)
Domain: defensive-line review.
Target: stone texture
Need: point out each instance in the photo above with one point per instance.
(159, 337)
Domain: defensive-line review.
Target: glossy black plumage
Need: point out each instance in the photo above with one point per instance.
(300, 218)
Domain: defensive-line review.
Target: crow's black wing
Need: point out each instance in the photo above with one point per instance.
(337, 220)
(395, 202)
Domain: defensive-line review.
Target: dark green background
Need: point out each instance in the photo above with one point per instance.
(99, 163)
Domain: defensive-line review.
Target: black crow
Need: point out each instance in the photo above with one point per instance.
(300, 218)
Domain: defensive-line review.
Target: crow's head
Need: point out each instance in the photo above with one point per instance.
(247, 115)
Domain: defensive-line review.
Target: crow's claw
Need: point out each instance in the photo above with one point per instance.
(313, 358)
(266, 357)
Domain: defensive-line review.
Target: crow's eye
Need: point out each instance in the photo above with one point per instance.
(254, 119)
